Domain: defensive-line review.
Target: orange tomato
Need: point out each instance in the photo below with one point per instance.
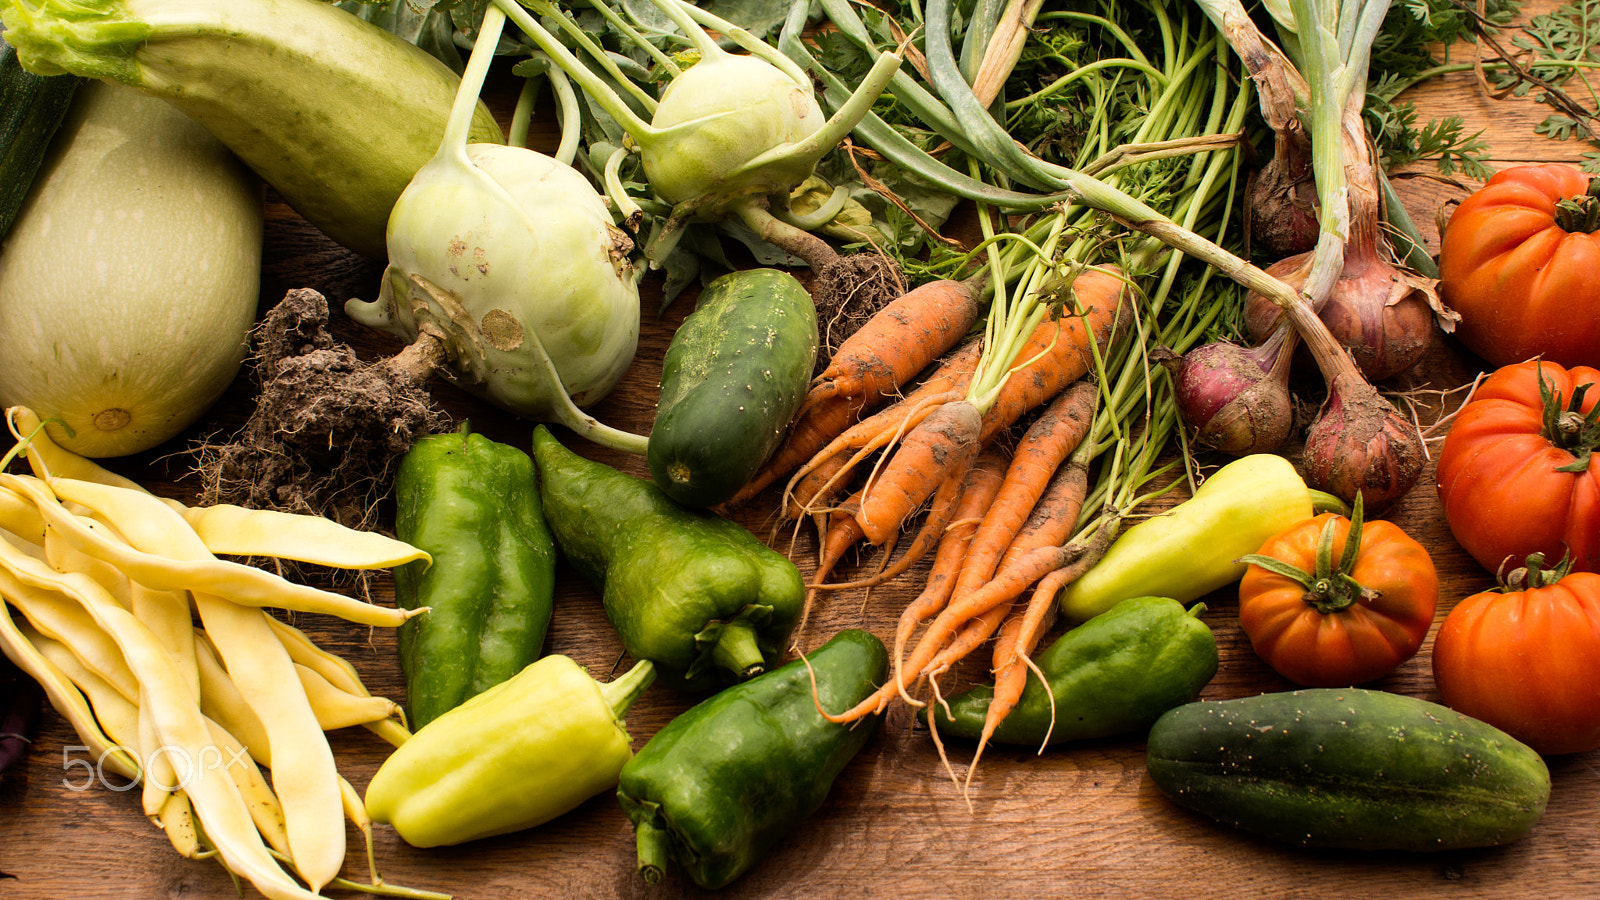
(1326, 615)
(1518, 261)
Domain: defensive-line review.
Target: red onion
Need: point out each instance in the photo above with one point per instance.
(1377, 312)
(1282, 204)
(1237, 398)
(1361, 444)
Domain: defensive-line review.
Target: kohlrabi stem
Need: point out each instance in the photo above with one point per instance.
(522, 114)
(591, 84)
(815, 251)
(844, 119)
(624, 27)
(595, 51)
(820, 216)
(459, 125)
(751, 44)
(569, 115)
(708, 47)
(627, 207)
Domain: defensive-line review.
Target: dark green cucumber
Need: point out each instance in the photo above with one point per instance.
(31, 109)
(1349, 768)
(732, 378)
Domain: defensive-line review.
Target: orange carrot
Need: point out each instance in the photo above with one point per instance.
(946, 506)
(842, 533)
(1013, 653)
(1104, 299)
(981, 485)
(900, 340)
(923, 461)
(941, 448)
(947, 382)
(810, 432)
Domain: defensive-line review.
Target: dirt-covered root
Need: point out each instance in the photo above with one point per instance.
(847, 294)
(327, 429)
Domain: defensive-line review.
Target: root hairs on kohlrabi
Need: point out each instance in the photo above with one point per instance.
(327, 428)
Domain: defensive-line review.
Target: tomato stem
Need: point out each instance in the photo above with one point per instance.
(1535, 575)
(1581, 214)
(1329, 589)
(1566, 426)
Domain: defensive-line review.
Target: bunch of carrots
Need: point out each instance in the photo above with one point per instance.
(1053, 338)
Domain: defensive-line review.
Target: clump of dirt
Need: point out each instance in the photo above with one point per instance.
(327, 429)
(848, 293)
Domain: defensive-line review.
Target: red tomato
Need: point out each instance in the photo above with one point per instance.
(1348, 621)
(1528, 662)
(1520, 265)
(1500, 471)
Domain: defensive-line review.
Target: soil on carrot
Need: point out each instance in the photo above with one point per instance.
(847, 294)
(327, 428)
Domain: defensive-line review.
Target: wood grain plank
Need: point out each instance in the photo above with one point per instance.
(1078, 822)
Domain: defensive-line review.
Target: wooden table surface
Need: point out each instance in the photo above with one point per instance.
(1079, 821)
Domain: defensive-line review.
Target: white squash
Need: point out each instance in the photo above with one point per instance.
(129, 283)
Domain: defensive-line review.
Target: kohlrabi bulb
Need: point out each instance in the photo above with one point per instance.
(717, 117)
(510, 257)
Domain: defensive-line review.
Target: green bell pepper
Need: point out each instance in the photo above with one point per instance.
(515, 756)
(473, 504)
(724, 781)
(1194, 548)
(1114, 674)
(694, 592)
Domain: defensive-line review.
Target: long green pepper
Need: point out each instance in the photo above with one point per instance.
(473, 504)
(695, 593)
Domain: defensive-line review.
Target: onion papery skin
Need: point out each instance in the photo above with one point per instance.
(1233, 399)
(1375, 312)
(1361, 443)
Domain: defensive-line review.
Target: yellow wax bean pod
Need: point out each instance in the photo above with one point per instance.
(64, 557)
(265, 809)
(177, 820)
(236, 531)
(161, 776)
(221, 701)
(338, 671)
(178, 725)
(60, 617)
(64, 696)
(151, 527)
(168, 616)
(47, 458)
(337, 709)
(21, 518)
(117, 714)
(303, 770)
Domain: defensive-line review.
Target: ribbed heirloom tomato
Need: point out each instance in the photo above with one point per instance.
(1526, 658)
(1519, 260)
(1325, 611)
(1517, 473)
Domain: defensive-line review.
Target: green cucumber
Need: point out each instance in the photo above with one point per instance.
(1349, 768)
(32, 107)
(732, 378)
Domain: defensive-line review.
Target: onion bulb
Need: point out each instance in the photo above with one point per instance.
(1237, 398)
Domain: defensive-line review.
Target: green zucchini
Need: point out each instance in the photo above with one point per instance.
(32, 107)
(333, 112)
(733, 376)
(1349, 768)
